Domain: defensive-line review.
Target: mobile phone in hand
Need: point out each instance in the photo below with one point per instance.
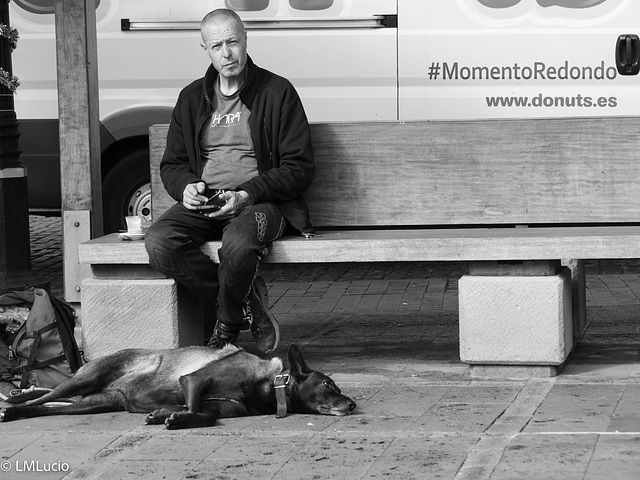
(214, 203)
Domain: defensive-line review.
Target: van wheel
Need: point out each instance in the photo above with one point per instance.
(126, 190)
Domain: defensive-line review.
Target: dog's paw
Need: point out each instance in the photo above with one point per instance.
(8, 414)
(190, 420)
(157, 417)
(176, 421)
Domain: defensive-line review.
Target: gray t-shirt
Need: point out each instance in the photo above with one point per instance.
(226, 146)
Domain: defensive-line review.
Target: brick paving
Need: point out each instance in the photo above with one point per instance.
(388, 336)
(46, 250)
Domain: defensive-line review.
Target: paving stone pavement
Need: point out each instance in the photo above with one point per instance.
(388, 336)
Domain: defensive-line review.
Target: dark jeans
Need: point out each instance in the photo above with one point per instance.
(173, 242)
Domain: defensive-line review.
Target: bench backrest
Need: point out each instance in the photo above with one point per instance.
(466, 173)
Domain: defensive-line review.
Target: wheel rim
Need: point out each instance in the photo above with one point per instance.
(140, 202)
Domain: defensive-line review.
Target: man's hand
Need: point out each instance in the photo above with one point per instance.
(193, 197)
(235, 202)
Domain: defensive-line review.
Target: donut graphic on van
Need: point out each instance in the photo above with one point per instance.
(567, 13)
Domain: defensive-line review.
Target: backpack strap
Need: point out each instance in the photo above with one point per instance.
(66, 319)
(37, 337)
(36, 366)
(31, 362)
(43, 363)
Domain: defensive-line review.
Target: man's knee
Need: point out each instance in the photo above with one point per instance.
(257, 225)
(161, 250)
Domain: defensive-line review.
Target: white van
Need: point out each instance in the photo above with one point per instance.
(351, 60)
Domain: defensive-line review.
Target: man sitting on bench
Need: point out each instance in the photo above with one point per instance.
(238, 159)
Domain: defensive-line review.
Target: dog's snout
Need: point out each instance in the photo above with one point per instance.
(351, 404)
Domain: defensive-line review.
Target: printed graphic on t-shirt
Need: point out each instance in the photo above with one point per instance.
(227, 120)
(226, 145)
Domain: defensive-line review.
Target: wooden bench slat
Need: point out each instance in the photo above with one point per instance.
(413, 245)
(466, 173)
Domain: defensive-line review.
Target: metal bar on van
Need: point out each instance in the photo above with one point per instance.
(374, 21)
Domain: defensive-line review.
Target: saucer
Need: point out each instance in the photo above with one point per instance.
(124, 235)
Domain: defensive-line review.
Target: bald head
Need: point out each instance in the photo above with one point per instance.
(221, 16)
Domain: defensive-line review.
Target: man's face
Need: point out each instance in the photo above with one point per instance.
(225, 42)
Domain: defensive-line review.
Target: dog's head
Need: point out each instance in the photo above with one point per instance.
(312, 391)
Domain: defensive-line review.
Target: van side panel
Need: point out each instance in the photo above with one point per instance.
(468, 59)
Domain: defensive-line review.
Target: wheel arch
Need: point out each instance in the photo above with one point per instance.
(128, 130)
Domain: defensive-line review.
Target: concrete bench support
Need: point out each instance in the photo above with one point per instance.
(521, 319)
(134, 313)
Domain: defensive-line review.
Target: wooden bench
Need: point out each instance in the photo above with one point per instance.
(524, 201)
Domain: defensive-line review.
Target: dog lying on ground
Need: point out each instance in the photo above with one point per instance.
(188, 387)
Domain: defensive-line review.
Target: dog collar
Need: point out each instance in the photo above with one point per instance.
(280, 384)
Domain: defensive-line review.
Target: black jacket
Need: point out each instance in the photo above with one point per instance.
(280, 133)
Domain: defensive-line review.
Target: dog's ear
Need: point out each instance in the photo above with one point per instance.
(297, 365)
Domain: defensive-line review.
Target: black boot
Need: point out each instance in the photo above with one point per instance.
(222, 336)
(264, 325)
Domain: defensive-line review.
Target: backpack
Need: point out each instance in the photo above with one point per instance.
(42, 351)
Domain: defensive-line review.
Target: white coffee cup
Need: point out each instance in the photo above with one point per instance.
(134, 224)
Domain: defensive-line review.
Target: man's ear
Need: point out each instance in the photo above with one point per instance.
(297, 365)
